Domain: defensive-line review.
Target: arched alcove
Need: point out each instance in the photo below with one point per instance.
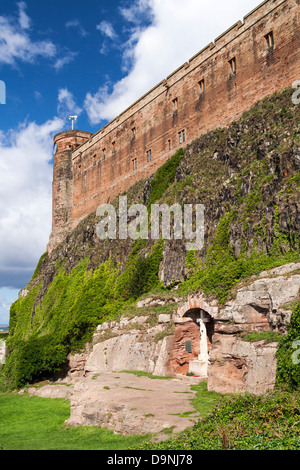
(206, 329)
(194, 330)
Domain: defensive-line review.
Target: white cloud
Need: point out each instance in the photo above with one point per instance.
(25, 198)
(15, 43)
(110, 35)
(66, 104)
(77, 25)
(65, 60)
(175, 31)
(107, 29)
(38, 96)
(24, 19)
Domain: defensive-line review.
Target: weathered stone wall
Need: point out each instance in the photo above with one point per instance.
(103, 167)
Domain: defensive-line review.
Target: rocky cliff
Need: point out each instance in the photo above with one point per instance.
(247, 177)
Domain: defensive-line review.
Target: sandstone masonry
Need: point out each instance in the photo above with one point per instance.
(249, 61)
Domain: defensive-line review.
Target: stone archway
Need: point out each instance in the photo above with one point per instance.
(194, 329)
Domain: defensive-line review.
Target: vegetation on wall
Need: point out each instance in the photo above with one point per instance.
(164, 177)
(221, 270)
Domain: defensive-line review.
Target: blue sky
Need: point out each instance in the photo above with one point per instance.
(92, 59)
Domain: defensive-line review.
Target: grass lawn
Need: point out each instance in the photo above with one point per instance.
(205, 401)
(34, 423)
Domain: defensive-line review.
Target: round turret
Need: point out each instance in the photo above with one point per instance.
(64, 144)
(69, 140)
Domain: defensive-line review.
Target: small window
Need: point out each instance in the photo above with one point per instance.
(149, 156)
(181, 135)
(134, 164)
(175, 105)
(103, 153)
(169, 144)
(270, 40)
(188, 346)
(133, 132)
(113, 147)
(232, 64)
(202, 86)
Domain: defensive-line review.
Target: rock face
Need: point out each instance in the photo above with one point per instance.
(131, 344)
(241, 366)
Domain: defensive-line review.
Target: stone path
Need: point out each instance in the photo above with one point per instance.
(128, 404)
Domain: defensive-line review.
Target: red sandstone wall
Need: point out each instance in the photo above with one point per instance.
(259, 72)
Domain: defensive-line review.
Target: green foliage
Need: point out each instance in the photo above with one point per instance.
(204, 401)
(266, 336)
(43, 333)
(37, 269)
(164, 177)
(34, 358)
(141, 273)
(243, 422)
(288, 356)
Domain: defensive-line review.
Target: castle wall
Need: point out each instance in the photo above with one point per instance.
(118, 155)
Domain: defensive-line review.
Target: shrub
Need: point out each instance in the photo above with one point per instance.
(288, 370)
(35, 357)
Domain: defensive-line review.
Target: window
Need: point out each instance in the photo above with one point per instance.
(175, 105)
(232, 64)
(149, 156)
(270, 40)
(181, 136)
(202, 86)
(103, 154)
(169, 143)
(134, 164)
(133, 132)
(113, 148)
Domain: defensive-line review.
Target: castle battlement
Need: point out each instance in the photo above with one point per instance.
(252, 59)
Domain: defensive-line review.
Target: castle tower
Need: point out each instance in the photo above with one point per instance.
(64, 144)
